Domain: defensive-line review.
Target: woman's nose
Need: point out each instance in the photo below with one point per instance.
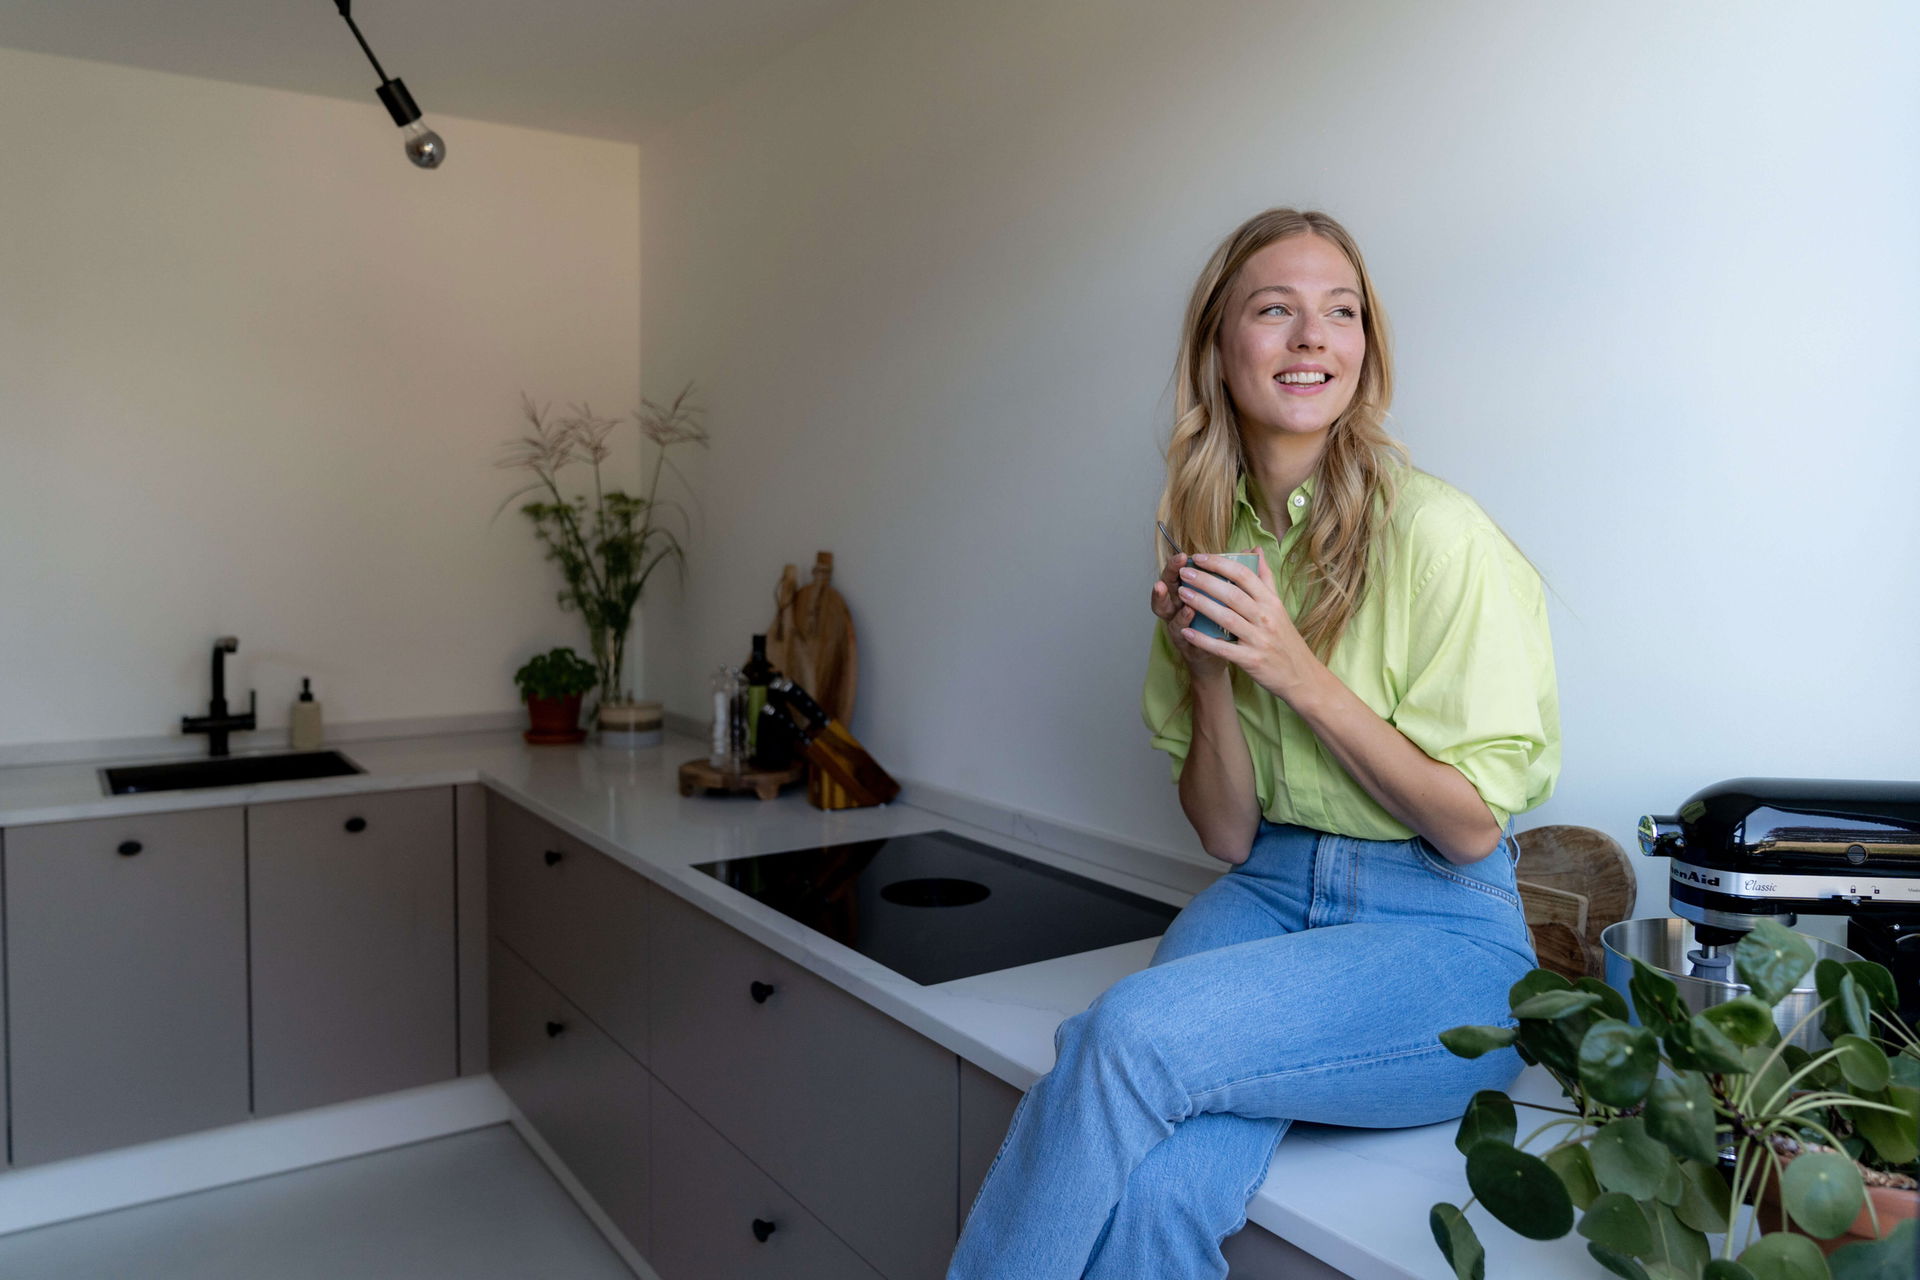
(1308, 333)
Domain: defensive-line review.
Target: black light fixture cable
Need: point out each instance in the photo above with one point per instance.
(424, 147)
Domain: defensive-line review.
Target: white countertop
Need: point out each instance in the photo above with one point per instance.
(1356, 1198)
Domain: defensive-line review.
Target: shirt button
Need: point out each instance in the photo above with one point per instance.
(1299, 499)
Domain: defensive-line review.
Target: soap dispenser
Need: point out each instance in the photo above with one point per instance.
(303, 725)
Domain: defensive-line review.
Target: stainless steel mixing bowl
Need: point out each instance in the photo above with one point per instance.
(1662, 943)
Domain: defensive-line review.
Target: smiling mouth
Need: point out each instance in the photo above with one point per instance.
(1303, 384)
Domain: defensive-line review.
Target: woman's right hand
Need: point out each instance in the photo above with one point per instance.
(1175, 615)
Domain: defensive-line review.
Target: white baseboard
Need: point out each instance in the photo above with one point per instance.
(581, 1196)
(45, 1194)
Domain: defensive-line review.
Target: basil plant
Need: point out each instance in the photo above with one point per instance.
(1676, 1121)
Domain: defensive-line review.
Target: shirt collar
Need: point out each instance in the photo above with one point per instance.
(1297, 502)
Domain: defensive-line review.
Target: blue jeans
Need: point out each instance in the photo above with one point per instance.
(1307, 983)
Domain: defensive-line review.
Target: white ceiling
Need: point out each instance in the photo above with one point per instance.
(603, 68)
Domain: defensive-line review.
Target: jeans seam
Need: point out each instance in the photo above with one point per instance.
(1391, 1055)
(1466, 882)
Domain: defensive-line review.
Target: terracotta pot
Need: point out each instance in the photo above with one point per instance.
(1892, 1204)
(555, 720)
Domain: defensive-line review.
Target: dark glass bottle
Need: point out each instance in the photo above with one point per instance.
(756, 674)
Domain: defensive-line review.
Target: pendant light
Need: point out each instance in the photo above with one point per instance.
(424, 147)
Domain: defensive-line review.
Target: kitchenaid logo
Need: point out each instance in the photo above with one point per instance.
(1691, 876)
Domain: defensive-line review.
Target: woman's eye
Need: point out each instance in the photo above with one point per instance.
(1348, 312)
(1270, 310)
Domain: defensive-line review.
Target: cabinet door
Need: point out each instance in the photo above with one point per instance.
(584, 1096)
(850, 1111)
(352, 946)
(126, 980)
(574, 914)
(717, 1217)
(986, 1111)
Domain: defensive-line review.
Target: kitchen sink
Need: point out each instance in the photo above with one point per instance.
(226, 771)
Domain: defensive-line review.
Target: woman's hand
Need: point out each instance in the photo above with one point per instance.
(1268, 647)
(1165, 602)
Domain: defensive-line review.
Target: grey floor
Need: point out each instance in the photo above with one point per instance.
(474, 1206)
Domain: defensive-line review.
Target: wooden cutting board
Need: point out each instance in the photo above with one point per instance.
(1574, 882)
(811, 639)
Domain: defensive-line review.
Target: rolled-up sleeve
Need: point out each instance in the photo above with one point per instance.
(1478, 674)
(1161, 698)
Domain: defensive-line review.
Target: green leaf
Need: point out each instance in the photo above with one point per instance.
(1889, 1258)
(1721, 1269)
(1626, 1159)
(1553, 1005)
(1877, 981)
(1850, 1010)
(1673, 1187)
(1458, 1244)
(1615, 1221)
(1677, 1245)
(1618, 1263)
(1895, 1137)
(1744, 1020)
(1576, 1174)
(1520, 1190)
(1612, 1003)
(1768, 1071)
(1656, 998)
(1906, 1069)
(1680, 1114)
(1556, 1043)
(1863, 1064)
(1532, 983)
(1708, 1201)
(1617, 1062)
(1471, 1042)
(1822, 1192)
(1698, 1045)
(1488, 1118)
(1784, 1255)
(1771, 959)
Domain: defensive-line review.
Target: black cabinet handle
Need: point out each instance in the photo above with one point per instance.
(555, 1028)
(762, 1229)
(553, 857)
(356, 825)
(760, 992)
(128, 848)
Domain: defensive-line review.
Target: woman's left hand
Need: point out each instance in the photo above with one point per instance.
(1268, 647)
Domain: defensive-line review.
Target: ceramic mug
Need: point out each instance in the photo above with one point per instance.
(1201, 622)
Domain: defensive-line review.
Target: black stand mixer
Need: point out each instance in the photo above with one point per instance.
(1754, 847)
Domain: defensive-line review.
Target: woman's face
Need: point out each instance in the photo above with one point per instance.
(1291, 342)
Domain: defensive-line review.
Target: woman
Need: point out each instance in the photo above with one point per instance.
(1356, 753)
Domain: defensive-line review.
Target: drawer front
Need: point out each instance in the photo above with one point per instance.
(352, 944)
(126, 980)
(585, 1097)
(847, 1109)
(713, 1206)
(574, 914)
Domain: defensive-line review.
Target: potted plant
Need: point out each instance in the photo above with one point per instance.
(1674, 1122)
(609, 544)
(553, 684)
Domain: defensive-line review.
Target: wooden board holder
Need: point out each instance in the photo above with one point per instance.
(700, 776)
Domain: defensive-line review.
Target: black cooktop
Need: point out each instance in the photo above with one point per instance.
(934, 906)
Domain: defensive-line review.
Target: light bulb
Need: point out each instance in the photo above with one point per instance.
(424, 147)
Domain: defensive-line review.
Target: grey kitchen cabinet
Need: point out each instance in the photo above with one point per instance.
(585, 1097)
(717, 1217)
(849, 1111)
(575, 915)
(352, 946)
(126, 978)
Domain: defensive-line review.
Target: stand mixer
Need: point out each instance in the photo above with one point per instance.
(1754, 847)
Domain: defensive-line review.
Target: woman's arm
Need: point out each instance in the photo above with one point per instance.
(1432, 798)
(1216, 779)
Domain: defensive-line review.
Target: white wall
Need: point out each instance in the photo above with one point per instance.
(253, 370)
(1651, 269)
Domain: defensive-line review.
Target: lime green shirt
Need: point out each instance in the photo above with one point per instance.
(1450, 647)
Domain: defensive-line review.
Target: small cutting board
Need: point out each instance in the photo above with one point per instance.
(811, 639)
(1574, 882)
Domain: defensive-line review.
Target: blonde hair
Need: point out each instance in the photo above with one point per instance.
(1355, 480)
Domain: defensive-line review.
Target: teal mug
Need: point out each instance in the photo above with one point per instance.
(1201, 622)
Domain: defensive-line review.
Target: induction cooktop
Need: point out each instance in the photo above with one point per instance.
(934, 905)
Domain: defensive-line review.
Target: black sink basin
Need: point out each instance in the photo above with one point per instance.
(227, 771)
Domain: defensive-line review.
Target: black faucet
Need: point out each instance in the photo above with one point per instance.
(217, 724)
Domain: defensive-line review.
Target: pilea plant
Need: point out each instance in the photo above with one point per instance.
(1675, 1122)
(557, 673)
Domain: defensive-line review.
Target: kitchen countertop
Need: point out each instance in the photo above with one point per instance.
(1356, 1198)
